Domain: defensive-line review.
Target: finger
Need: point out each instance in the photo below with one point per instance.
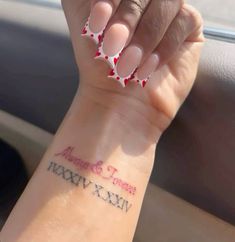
(186, 25)
(119, 32)
(149, 33)
(101, 12)
(122, 25)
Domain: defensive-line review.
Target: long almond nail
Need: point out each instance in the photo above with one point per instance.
(99, 17)
(148, 67)
(142, 82)
(112, 61)
(129, 61)
(114, 75)
(144, 72)
(124, 68)
(122, 80)
(115, 39)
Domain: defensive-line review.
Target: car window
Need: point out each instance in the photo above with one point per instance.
(217, 13)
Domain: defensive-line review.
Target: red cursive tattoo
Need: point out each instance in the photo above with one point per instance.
(106, 172)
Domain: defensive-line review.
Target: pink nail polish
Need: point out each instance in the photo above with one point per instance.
(144, 72)
(123, 81)
(96, 24)
(115, 39)
(129, 61)
(125, 64)
(141, 82)
(148, 67)
(88, 33)
(100, 15)
(112, 61)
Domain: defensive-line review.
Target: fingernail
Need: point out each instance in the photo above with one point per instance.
(128, 62)
(115, 39)
(148, 67)
(123, 81)
(112, 61)
(144, 82)
(88, 33)
(99, 17)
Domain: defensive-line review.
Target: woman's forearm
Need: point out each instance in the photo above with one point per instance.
(90, 184)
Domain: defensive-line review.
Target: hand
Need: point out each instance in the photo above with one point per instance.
(162, 39)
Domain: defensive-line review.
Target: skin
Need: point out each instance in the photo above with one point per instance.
(173, 79)
(120, 126)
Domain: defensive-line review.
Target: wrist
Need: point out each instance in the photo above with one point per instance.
(111, 190)
(120, 107)
(103, 145)
(99, 128)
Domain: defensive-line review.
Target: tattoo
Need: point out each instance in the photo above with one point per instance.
(68, 175)
(112, 198)
(96, 189)
(98, 168)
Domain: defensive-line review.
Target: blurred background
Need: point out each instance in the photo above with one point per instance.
(217, 13)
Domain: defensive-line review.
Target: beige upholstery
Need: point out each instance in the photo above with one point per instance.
(196, 156)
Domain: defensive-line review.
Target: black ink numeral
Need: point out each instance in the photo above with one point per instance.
(98, 188)
(80, 181)
(68, 175)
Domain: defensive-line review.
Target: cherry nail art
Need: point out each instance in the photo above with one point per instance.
(86, 31)
(112, 61)
(142, 83)
(124, 81)
(113, 74)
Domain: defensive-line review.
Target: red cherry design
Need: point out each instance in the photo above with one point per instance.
(100, 38)
(106, 57)
(84, 31)
(112, 72)
(126, 81)
(97, 53)
(144, 83)
(132, 76)
(118, 78)
(115, 60)
(92, 35)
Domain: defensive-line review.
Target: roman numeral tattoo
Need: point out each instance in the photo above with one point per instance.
(69, 175)
(97, 190)
(112, 198)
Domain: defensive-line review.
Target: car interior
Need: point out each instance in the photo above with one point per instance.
(191, 194)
